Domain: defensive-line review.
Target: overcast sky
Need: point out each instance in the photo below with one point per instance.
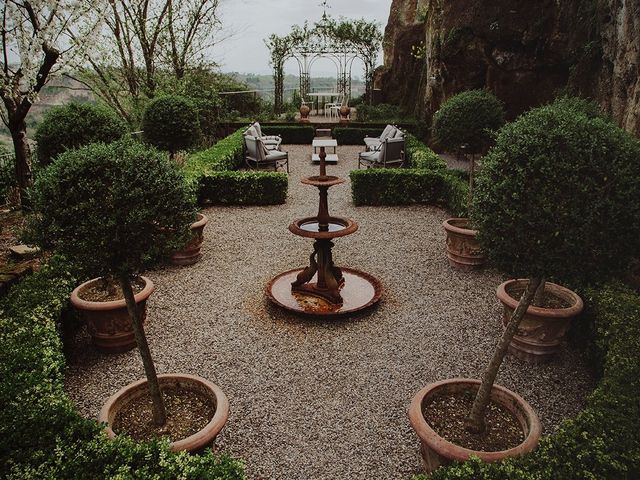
(251, 21)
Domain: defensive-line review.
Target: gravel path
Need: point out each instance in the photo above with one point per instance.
(325, 399)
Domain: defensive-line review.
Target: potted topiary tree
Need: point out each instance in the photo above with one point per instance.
(171, 123)
(116, 209)
(558, 196)
(466, 121)
(74, 125)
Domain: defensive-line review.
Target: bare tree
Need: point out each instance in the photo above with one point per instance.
(144, 38)
(39, 39)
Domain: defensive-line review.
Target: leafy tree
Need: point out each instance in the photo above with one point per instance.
(116, 209)
(558, 196)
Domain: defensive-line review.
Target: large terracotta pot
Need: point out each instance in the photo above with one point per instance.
(463, 249)
(193, 443)
(190, 254)
(109, 323)
(542, 330)
(304, 113)
(437, 451)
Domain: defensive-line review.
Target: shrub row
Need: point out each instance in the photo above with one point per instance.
(603, 440)
(403, 186)
(41, 433)
(294, 134)
(211, 173)
(354, 136)
(427, 180)
(243, 188)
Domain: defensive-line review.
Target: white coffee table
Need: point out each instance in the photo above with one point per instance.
(326, 143)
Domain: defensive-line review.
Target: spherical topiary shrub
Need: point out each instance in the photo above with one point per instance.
(74, 125)
(171, 123)
(114, 208)
(468, 118)
(559, 195)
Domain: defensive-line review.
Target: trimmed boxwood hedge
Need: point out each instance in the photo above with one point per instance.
(293, 134)
(603, 440)
(213, 174)
(41, 433)
(354, 136)
(427, 180)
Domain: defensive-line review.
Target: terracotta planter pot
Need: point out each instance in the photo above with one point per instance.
(344, 114)
(437, 451)
(542, 330)
(304, 113)
(193, 443)
(463, 249)
(190, 254)
(109, 323)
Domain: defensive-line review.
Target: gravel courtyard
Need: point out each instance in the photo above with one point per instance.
(325, 399)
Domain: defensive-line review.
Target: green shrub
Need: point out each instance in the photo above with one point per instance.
(224, 155)
(418, 155)
(211, 173)
(395, 186)
(381, 112)
(116, 208)
(41, 433)
(580, 105)
(7, 174)
(75, 125)
(603, 440)
(243, 188)
(292, 134)
(559, 196)
(354, 136)
(171, 123)
(469, 118)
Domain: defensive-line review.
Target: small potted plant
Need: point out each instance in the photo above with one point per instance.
(553, 199)
(466, 122)
(190, 253)
(117, 209)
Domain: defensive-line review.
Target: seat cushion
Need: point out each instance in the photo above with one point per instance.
(385, 132)
(251, 131)
(370, 156)
(276, 155)
(399, 134)
(371, 142)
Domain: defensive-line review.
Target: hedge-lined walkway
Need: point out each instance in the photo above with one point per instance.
(325, 399)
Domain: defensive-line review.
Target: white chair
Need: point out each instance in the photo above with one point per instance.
(257, 156)
(390, 154)
(373, 143)
(336, 108)
(271, 142)
(327, 106)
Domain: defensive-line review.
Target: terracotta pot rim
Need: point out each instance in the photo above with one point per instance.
(456, 452)
(82, 304)
(462, 231)
(573, 310)
(200, 222)
(200, 438)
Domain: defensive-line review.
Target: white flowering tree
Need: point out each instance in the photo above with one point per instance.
(40, 38)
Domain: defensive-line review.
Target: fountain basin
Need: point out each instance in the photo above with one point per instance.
(360, 291)
(322, 181)
(309, 227)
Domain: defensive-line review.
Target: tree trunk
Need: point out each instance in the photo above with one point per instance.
(23, 158)
(538, 299)
(159, 411)
(475, 420)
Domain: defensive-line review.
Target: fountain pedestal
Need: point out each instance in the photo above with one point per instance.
(322, 288)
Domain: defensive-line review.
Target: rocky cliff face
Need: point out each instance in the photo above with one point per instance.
(525, 51)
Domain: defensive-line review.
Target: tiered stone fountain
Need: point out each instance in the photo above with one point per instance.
(322, 288)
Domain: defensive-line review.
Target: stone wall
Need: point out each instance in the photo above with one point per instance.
(525, 51)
